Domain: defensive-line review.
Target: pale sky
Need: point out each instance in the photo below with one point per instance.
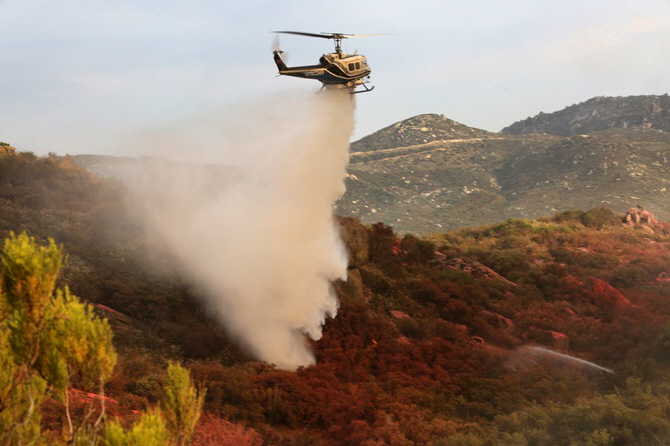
(79, 76)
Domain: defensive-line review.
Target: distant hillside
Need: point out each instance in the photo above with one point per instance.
(599, 113)
(421, 129)
(427, 184)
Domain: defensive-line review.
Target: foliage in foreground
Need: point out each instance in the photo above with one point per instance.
(50, 341)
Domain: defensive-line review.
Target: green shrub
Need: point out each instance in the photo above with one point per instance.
(627, 276)
(599, 218)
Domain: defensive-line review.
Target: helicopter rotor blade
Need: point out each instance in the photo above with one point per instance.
(328, 35)
(353, 36)
(298, 33)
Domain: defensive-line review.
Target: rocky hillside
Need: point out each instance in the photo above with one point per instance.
(429, 173)
(599, 113)
(430, 183)
(419, 130)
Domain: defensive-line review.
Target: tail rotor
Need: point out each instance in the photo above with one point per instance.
(279, 57)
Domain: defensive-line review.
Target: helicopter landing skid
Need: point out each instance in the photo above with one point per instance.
(366, 89)
(352, 89)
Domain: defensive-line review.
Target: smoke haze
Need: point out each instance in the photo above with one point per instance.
(256, 234)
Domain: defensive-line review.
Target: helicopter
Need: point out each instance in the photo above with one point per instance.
(335, 70)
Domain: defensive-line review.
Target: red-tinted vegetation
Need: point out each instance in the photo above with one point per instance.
(430, 355)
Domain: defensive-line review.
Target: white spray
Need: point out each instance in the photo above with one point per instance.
(261, 240)
(534, 350)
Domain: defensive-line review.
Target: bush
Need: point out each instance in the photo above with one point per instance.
(627, 276)
(47, 339)
(567, 216)
(598, 218)
(513, 226)
(217, 431)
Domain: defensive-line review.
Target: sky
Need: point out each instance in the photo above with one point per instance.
(84, 77)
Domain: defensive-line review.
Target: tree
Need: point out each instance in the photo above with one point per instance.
(172, 424)
(181, 404)
(149, 431)
(48, 340)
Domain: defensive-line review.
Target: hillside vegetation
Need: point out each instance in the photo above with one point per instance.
(436, 340)
(429, 173)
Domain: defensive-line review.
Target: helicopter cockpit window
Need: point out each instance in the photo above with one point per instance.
(352, 66)
(358, 65)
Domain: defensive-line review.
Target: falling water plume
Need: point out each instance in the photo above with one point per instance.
(259, 237)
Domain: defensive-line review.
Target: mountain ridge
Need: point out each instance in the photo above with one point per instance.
(429, 173)
(420, 181)
(599, 113)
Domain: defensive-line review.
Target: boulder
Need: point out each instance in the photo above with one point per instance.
(498, 320)
(647, 229)
(559, 341)
(554, 339)
(663, 277)
(400, 314)
(475, 268)
(351, 288)
(639, 215)
(111, 314)
(478, 341)
(355, 238)
(605, 295)
(6, 149)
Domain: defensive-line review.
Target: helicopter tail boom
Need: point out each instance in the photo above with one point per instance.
(279, 61)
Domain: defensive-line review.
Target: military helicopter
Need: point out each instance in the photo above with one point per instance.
(335, 70)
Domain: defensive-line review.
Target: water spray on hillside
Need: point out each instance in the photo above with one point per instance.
(532, 353)
(259, 237)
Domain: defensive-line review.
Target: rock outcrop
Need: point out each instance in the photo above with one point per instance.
(498, 320)
(355, 238)
(639, 215)
(478, 270)
(6, 149)
(605, 295)
(400, 314)
(554, 339)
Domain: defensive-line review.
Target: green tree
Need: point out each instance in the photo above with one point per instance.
(599, 218)
(181, 404)
(149, 431)
(172, 424)
(48, 340)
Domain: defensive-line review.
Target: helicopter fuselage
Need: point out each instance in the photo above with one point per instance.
(349, 70)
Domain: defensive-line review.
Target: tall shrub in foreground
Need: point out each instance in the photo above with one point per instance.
(48, 340)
